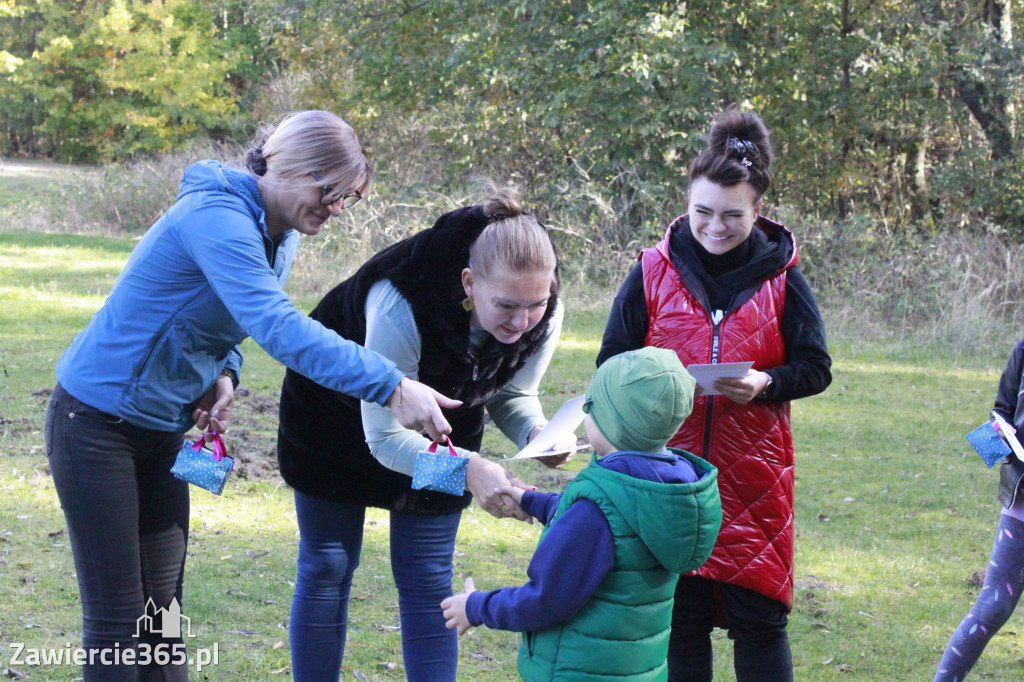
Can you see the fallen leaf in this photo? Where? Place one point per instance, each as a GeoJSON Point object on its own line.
{"type": "Point", "coordinates": [278, 645]}
{"type": "Point", "coordinates": [359, 675]}
{"type": "Point", "coordinates": [281, 671]}
{"type": "Point", "coordinates": [56, 533]}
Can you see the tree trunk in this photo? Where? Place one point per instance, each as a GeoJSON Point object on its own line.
{"type": "Point", "coordinates": [989, 104]}
{"type": "Point", "coordinates": [917, 180]}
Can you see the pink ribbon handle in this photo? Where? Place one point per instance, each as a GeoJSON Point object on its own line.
{"type": "Point", "coordinates": [451, 448]}
{"type": "Point", "coordinates": [216, 445]}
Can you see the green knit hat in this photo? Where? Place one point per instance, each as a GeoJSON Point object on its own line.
{"type": "Point", "coordinates": [639, 399]}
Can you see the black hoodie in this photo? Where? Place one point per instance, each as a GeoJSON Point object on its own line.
{"type": "Point", "coordinates": [722, 282]}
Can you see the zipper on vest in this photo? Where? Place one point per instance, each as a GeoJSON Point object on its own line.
{"type": "Point", "coordinates": [476, 363]}
{"type": "Point", "coordinates": [716, 327]}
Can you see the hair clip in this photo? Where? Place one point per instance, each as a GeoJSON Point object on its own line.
{"type": "Point", "coordinates": [742, 148]}
{"type": "Point", "coordinates": [745, 162]}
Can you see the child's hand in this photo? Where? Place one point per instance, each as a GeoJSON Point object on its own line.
{"type": "Point", "coordinates": [482, 476]}
{"type": "Point", "coordinates": [512, 491]}
{"type": "Point", "coordinates": [455, 609]}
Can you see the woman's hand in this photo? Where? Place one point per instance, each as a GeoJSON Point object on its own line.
{"type": "Point", "coordinates": [214, 409]}
{"type": "Point", "coordinates": [455, 609]}
{"type": "Point", "coordinates": [743, 389]}
{"type": "Point", "coordinates": [483, 477]}
{"type": "Point", "coordinates": [416, 406]}
{"type": "Point", "coordinates": [556, 461]}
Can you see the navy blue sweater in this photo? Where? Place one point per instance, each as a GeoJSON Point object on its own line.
{"type": "Point", "coordinates": [574, 558]}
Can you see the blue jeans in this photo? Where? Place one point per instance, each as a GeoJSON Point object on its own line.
{"type": "Point", "coordinates": [127, 520]}
{"type": "Point", "coordinates": [756, 623]}
{"type": "Point", "coordinates": [330, 540]}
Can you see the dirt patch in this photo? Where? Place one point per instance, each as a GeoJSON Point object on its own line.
{"type": "Point", "coordinates": [252, 441]}
{"type": "Point", "coordinates": [18, 426]}
{"type": "Point", "coordinates": [252, 438]}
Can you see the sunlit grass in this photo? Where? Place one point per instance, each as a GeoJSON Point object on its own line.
{"type": "Point", "coordinates": [894, 512]}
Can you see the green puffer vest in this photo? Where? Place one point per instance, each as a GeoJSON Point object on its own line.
{"type": "Point", "coordinates": [659, 530]}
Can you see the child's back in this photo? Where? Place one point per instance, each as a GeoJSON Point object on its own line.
{"type": "Point", "coordinates": [663, 522]}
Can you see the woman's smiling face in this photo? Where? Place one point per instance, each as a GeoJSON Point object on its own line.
{"type": "Point", "coordinates": [296, 205]}
{"type": "Point", "coordinates": [508, 305]}
{"type": "Point", "coordinates": [721, 217]}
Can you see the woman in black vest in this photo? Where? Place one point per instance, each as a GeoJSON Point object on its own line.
{"type": "Point", "coordinates": [468, 307]}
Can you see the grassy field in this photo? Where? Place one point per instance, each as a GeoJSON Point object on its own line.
{"type": "Point", "coordinates": [894, 515]}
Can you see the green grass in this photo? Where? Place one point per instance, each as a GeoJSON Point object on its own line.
{"type": "Point", "coordinates": [894, 514]}
{"type": "Point", "coordinates": [29, 182]}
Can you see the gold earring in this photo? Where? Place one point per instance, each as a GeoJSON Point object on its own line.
{"type": "Point", "coordinates": [467, 303]}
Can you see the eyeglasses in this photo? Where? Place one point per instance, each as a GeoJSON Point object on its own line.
{"type": "Point", "coordinates": [348, 199]}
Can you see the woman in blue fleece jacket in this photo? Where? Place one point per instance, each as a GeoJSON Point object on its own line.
{"type": "Point", "coordinates": [161, 356]}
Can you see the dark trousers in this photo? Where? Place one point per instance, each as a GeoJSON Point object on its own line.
{"type": "Point", "coordinates": [756, 624]}
{"type": "Point", "coordinates": [127, 520]}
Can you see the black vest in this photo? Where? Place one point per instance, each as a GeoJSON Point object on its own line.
{"type": "Point", "coordinates": [321, 447]}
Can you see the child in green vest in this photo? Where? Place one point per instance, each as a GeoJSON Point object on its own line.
{"type": "Point", "coordinates": [598, 603]}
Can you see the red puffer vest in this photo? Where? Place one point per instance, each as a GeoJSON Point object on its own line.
{"type": "Point", "coordinates": [751, 445]}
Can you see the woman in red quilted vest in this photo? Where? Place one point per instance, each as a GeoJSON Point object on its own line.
{"type": "Point", "coordinates": [723, 287]}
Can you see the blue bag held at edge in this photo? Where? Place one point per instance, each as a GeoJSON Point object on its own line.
{"type": "Point", "coordinates": [445, 473]}
{"type": "Point", "coordinates": [207, 468]}
{"type": "Point", "coordinates": [986, 441]}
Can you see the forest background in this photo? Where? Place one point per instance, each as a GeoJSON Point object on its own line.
{"type": "Point", "coordinates": [895, 122]}
{"type": "Point", "coordinates": [899, 169]}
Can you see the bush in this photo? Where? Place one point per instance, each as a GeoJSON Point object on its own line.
{"type": "Point", "coordinates": [954, 288]}
{"type": "Point", "coordinates": [128, 197]}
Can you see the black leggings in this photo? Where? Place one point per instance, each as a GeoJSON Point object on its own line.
{"type": "Point", "coordinates": [756, 624]}
{"type": "Point", "coordinates": [127, 522]}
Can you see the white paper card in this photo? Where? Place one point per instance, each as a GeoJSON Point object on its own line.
{"type": "Point", "coordinates": [707, 375]}
{"type": "Point", "coordinates": [1006, 431]}
{"type": "Point", "coordinates": [564, 423]}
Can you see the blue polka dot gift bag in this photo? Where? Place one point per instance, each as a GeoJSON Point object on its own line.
{"type": "Point", "coordinates": [444, 472]}
{"type": "Point", "coordinates": [206, 467]}
{"type": "Point", "coordinates": [986, 441]}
